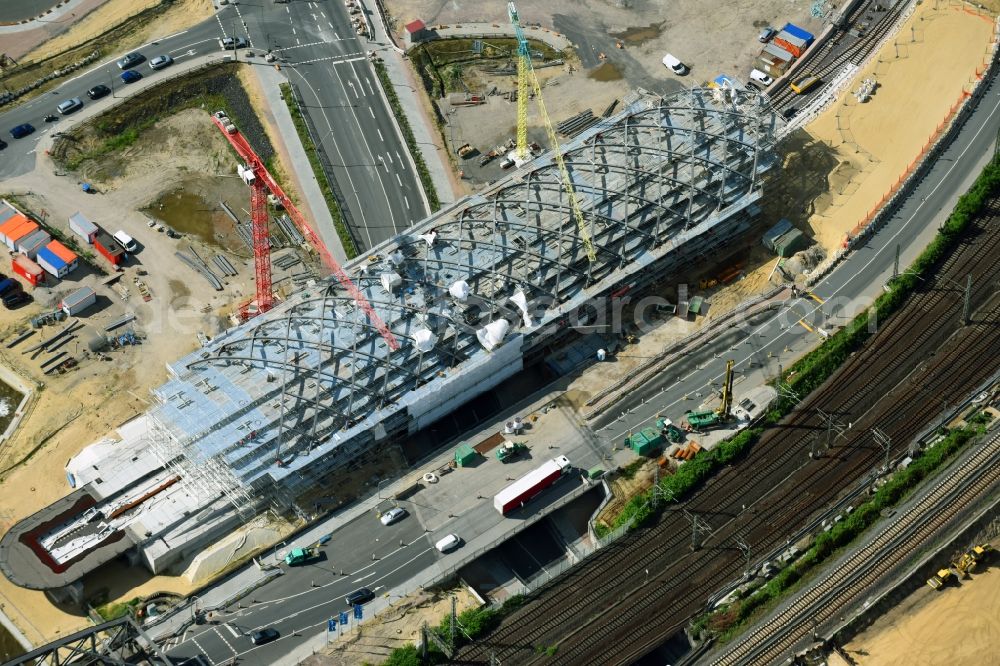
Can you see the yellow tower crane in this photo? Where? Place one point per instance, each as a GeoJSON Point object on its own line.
{"type": "Point", "coordinates": [526, 77]}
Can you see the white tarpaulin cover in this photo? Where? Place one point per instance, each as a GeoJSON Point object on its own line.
{"type": "Point", "coordinates": [491, 335]}
{"type": "Point", "coordinates": [521, 301]}
{"type": "Point", "coordinates": [424, 340]}
{"type": "Point", "coordinates": [429, 238]}
{"type": "Point", "coordinates": [396, 257]}
{"type": "Point", "coordinates": [459, 289]}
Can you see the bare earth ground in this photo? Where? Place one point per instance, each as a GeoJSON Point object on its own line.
{"type": "Point", "coordinates": [393, 628]}
{"type": "Point", "coordinates": [183, 14]}
{"type": "Point", "coordinates": [959, 625]}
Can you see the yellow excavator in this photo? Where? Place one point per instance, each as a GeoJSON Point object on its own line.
{"type": "Point", "coordinates": [713, 417]}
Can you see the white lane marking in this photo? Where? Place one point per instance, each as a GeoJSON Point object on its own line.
{"type": "Point", "coordinates": [406, 200]}
{"type": "Point", "coordinates": [191, 45]}
{"type": "Point", "coordinates": [318, 43]}
{"type": "Point", "coordinates": [371, 112]}
{"type": "Point", "coordinates": [313, 16]}
{"type": "Point", "coordinates": [398, 180]}
{"type": "Point", "coordinates": [287, 10]}
{"type": "Point", "coordinates": [335, 34]}
{"type": "Point", "coordinates": [369, 82]}
{"type": "Point", "coordinates": [204, 653]}
{"type": "Point", "coordinates": [389, 155]}
{"type": "Point", "coordinates": [380, 134]}
{"type": "Point", "coordinates": [401, 160]}
{"type": "Point", "coordinates": [225, 640]}
{"type": "Point", "coordinates": [330, 24]}
{"type": "Point", "coordinates": [384, 165]}
{"type": "Point", "coordinates": [235, 633]}
{"type": "Point", "coordinates": [293, 30]}
{"type": "Point", "coordinates": [353, 89]}
{"type": "Point", "coordinates": [329, 58]}
{"type": "Point", "coordinates": [366, 576]}
{"type": "Point", "coordinates": [298, 41]}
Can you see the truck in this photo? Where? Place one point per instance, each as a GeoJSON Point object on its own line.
{"type": "Point", "coordinates": [300, 556]}
{"type": "Point", "coordinates": [510, 450]}
{"type": "Point", "coordinates": [531, 484]}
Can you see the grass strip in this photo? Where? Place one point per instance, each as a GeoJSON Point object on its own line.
{"type": "Point", "coordinates": [350, 249]}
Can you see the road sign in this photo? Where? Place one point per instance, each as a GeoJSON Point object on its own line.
{"type": "Point", "coordinates": [477, 46]}
{"type": "Point", "coordinates": [343, 617]}
{"type": "Point", "coordinates": [331, 625]}
{"type": "Point", "coordinates": [358, 611]}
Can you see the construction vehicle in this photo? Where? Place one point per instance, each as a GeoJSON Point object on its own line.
{"type": "Point", "coordinates": [672, 432]}
{"type": "Point", "coordinates": [510, 450]}
{"type": "Point", "coordinates": [966, 564]}
{"type": "Point", "coordinates": [709, 418]}
{"type": "Point", "coordinates": [465, 151]}
{"type": "Point", "coordinates": [940, 579]}
{"type": "Point", "coordinates": [300, 556]}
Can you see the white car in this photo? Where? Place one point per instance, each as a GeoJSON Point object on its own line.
{"type": "Point", "coordinates": [450, 542]}
{"type": "Point", "coordinates": [159, 62]}
{"type": "Point", "coordinates": [392, 515]}
{"type": "Point", "coordinates": [760, 77]}
{"type": "Point", "coordinates": [675, 65]}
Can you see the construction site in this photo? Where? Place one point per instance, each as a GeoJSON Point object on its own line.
{"type": "Point", "coordinates": [610, 294]}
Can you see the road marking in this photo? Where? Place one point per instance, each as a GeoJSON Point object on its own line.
{"type": "Point", "coordinates": [369, 82]}
{"type": "Point", "coordinates": [224, 640]}
{"type": "Point", "coordinates": [806, 326]}
{"type": "Point", "coordinates": [203, 651]}
{"type": "Point", "coordinates": [191, 45]}
{"type": "Point", "coordinates": [293, 30]}
{"type": "Point", "coordinates": [371, 112]}
{"type": "Point", "coordinates": [374, 573]}
{"type": "Point", "coordinates": [228, 626]}
{"type": "Point", "coordinates": [389, 156]}
{"type": "Point", "coordinates": [406, 200]}
{"type": "Point", "coordinates": [401, 160]}
{"type": "Point", "coordinates": [330, 24]}
{"type": "Point", "coordinates": [335, 34]}
{"type": "Point", "coordinates": [380, 134]}
{"type": "Point", "coordinates": [313, 17]}
{"type": "Point", "coordinates": [353, 90]}
{"type": "Point", "coordinates": [298, 41]}
{"type": "Point", "coordinates": [287, 10]}
{"type": "Point", "coordinates": [815, 297]}
{"type": "Point", "coordinates": [398, 180]}
{"type": "Point", "coordinates": [329, 58]}
{"type": "Point", "coordinates": [384, 165]}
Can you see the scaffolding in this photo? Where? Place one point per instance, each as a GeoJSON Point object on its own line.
{"type": "Point", "coordinates": [311, 384]}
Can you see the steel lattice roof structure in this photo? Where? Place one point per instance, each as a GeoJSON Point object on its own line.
{"type": "Point", "coordinates": [464, 291]}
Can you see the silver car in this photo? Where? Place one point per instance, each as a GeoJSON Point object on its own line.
{"type": "Point", "coordinates": [159, 62]}
{"type": "Point", "coordinates": [392, 515]}
{"type": "Point", "coordinates": [70, 105]}
{"type": "Point", "coordinates": [131, 60]}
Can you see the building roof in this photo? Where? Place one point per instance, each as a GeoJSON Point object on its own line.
{"type": "Point", "coordinates": [62, 252]}
{"type": "Point", "coordinates": [415, 26]}
{"type": "Point", "coordinates": [49, 257]}
{"type": "Point", "coordinates": [18, 228]}
{"type": "Point", "coordinates": [81, 221]}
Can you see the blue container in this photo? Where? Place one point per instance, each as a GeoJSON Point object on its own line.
{"type": "Point", "coordinates": [796, 31]}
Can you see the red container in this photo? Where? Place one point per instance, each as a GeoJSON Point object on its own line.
{"type": "Point", "coordinates": [27, 269]}
{"type": "Point", "coordinates": [529, 485]}
{"type": "Point", "coordinates": [108, 249]}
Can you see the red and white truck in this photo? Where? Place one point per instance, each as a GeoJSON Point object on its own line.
{"type": "Point", "coordinates": [516, 494]}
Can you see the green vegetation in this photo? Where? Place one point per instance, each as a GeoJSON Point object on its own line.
{"type": "Point", "coordinates": [473, 623]}
{"type": "Point", "coordinates": [113, 611]}
{"type": "Point", "coordinates": [442, 63]}
{"type": "Point", "coordinates": [630, 470]}
{"type": "Point", "coordinates": [411, 142]}
{"type": "Point", "coordinates": [350, 249]}
{"type": "Point", "coordinates": [727, 622]}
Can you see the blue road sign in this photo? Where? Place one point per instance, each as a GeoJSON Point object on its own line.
{"type": "Point", "coordinates": [331, 625]}
{"type": "Point", "coordinates": [343, 617]}
{"type": "Point", "coordinates": [358, 611]}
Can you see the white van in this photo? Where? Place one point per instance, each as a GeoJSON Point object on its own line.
{"type": "Point", "coordinates": [127, 242]}
{"type": "Point", "coordinates": [675, 65]}
{"type": "Point", "coordinates": [760, 77]}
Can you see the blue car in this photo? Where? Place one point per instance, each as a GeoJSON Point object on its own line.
{"type": "Point", "coordinates": [22, 131]}
{"type": "Point", "coordinates": [131, 76]}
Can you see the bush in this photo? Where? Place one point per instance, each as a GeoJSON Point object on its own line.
{"type": "Point", "coordinates": [404, 656]}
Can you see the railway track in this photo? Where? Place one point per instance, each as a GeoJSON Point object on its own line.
{"type": "Point", "coordinates": [613, 585]}
{"type": "Point", "coordinates": [897, 541]}
{"type": "Point", "coordinates": [819, 61]}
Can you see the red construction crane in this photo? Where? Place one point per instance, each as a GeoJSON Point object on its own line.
{"type": "Point", "coordinates": [256, 175]}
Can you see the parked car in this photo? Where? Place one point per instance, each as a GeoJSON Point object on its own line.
{"type": "Point", "coordinates": [16, 299]}
{"type": "Point", "coordinates": [70, 105]}
{"type": "Point", "coordinates": [393, 515]}
{"type": "Point", "coordinates": [760, 77]}
{"type": "Point", "coordinates": [159, 62]}
{"type": "Point", "coordinates": [98, 91]}
{"type": "Point", "coordinates": [22, 130]}
{"type": "Point", "coordinates": [675, 65]}
{"type": "Point", "coordinates": [131, 60]}
{"type": "Point", "coordinates": [230, 43]}
{"type": "Point", "coordinates": [3, 144]}
{"type": "Point", "coordinates": [450, 542]}
{"type": "Point", "coordinates": [766, 34]}
{"type": "Point", "coordinates": [264, 636]}
{"type": "Point", "coordinates": [131, 76]}
{"type": "Point", "coordinates": [362, 596]}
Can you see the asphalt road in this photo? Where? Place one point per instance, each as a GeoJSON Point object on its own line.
{"type": "Point", "coordinates": [363, 150]}
{"type": "Point", "coordinates": [299, 603]}
{"type": "Point", "coordinates": [324, 58]}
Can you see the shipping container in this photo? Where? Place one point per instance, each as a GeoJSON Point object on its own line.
{"type": "Point", "coordinates": [28, 269]}
{"type": "Point", "coordinates": [465, 455]}
{"type": "Point", "coordinates": [791, 43]}
{"type": "Point", "coordinates": [800, 33]}
{"type": "Point", "coordinates": [518, 493]}
{"type": "Point", "coordinates": [16, 229]}
{"type": "Point", "coordinates": [67, 255]}
{"type": "Point", "coordinates": [108, 248]}
{"type": "Point", "coordinates": [52, 264]}
{"type": "Point", "coordinates": [790, 242]}
{"type": "Point", "coordinates": [7, 211]}
{"type": "Point", "coordinates": [78, 301]}
{"type": "Point", "coordinates": [83, 227]}
{"type": "Point", "coordinates": [776, 53]}
{"type": "Point", "coordinates": [33, 242]}
{"type": "Point", "coordinates": [772, 234]}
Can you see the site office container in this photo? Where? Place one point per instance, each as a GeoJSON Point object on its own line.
{"type": "Point", "coordinates": [791, 43]}
{"type": "Point", "coordinates": [519, 492]}
{"type": "Point", "coordinates": [78, 301]}
{"type": "Point", "coordinates": [108, 248]}
{"type": "Point", "coordinates": [83, 227]}
{"type": "Point", "coordinates": [16, 229]}
{"type": "Point", "coordinates": [28, 269]}
{"type": "Point", "coordinates": [67, 256]}
{"type": "Point", "coordinates": [799, 33]}
{"type": "Point", "coordinates": [33, 242]}
{"type": "Point", "coordinates": [50, 263]}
